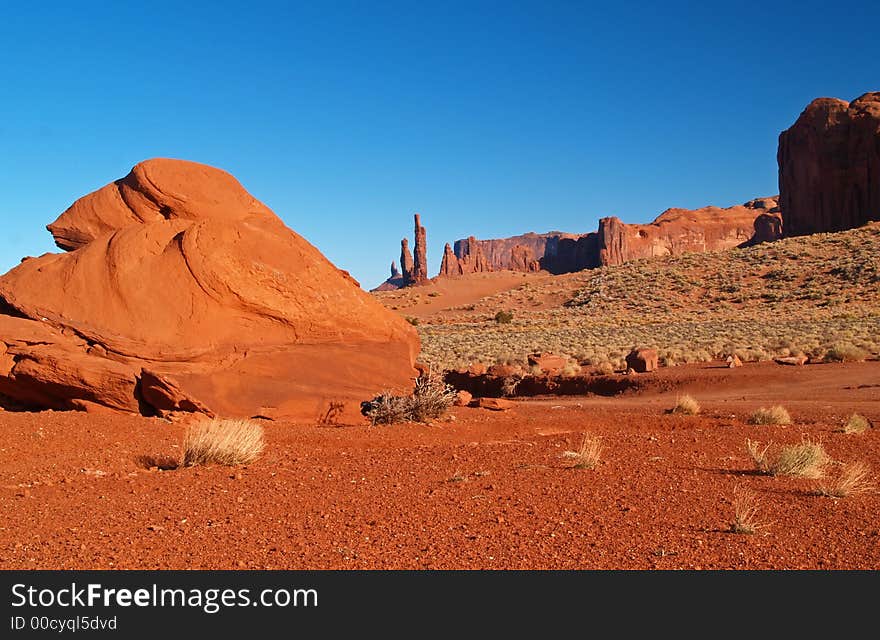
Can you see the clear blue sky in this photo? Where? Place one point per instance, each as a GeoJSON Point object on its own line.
{"type": "Point", "coordinates": [489, 119]}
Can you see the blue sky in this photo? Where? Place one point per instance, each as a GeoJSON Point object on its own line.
{"type": "Point", "coordinates": [490, 119]}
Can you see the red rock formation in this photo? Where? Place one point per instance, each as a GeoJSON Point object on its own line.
{"type": "Point", "coordinates": [471, 258]}
{"type": "Point", "coordinates": [522, 258]}
{"type": "Point", "coordinates": [393, 283]}
{"type": "Point", "coordinates": [406, 262]}
{"type": "Point", "coordinates": [674, 232]}
{"type": "Point", "coordinates": [185, 293]}
{"type": "Point", "coordinates": [420, 250]}
{"type": "Point", "coordinates": [678, 231]}
{"type": "Point", "coordinates": [450, 266]}
{"type": "Point", "coordinates": [768, 227]}
{"type": "Point", "coordinates": [829, 166]}
{"type": "Point", "coordinates": [642, 360]}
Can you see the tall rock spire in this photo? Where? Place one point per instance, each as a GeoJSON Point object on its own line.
{"type": "Point", "coordinates": [406, 262]}
{"type": "Point", "coordinates": [420, 259]}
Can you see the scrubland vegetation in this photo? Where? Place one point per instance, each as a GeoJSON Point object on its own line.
{"type": "Point", "coordinates": [817, 295]}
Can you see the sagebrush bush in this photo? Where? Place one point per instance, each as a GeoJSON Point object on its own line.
{"type": "Point", "coordinates": [222, 441]}
{"type": "Point", "coordinates": [773, 415]}
{"type": "Point", "coordinates": [431, 398]}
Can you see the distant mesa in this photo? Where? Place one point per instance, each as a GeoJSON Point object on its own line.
{"type": "Point", "coordinates": [674, 232]}
{"type": "Point", "coordinates": [180, 291]}
{"type": "Point", "coordinates": [829, 180]}
{"type": "Point", "coordinates": [829, 166]}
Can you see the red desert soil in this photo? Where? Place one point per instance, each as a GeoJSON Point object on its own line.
{"type": "Point", "coordinates": [485, 490]}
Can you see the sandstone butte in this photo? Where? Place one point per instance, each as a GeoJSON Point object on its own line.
{"type": "Point", "coordinates": [829, 166]}
{"type": "Point", "coordinates": [179, 291]}
{"type": "Point", "coordinates": [674, 232]}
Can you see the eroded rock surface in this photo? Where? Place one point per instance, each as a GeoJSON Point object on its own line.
{"type": "Point", "coordinates": [182, 292]}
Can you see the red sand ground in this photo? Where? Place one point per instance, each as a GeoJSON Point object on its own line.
{"type": "Point", "coordinates": [485, 490]}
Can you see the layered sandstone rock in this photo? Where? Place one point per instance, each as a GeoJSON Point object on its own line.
{"type": "Point", "coordinates": [678, 231]}
{"type": "Point", "coordinates": [674, 232]}
{"type": "Point", "coordinates": [829, 166]}
{"type": "Point", "coordinates": [468, 257]}
{"type": "Point", "coordinates": [182, 292]}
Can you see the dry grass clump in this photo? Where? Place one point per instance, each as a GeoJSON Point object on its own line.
{"type": "Point", "coordinates": [431, 398]}
{"type": "Point", "coordinates": [807, 459]}
{"type": "Point", "coordinates": [853, 478]}
{"type": "Point", "coordinates": [745, 512]}
{"type": "Point", "coordinates": [845, 353]}
{"type": "Point", "coordinates": [605, 368]}
{"type": "Point", "coordinates": [758, 455]}
{"type": "Point", "coordinates": [587, 457]}
{"type": "Point", "coordinates": [222, 441]}
{"type": "Point", "coordinates": [856, 424]}
{"type": "Point", "coordinates": [773, 415]}
{"type": "Point", "coordinates": [686, 405]}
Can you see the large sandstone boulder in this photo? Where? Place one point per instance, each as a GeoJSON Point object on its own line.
{"type": "Point", "coordinates": [829, 166]}
{"type": "Point", "coordinates": [642, 360]}
{"type": "Point", "coordinates": [182, 292]}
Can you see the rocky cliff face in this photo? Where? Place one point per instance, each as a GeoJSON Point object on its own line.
{"type": "Point", "coordinates": [829, 166]}
{"type": "Point", "coordinates": [678, 231]}
{"type": "Point", "coordinates": [675, 231]}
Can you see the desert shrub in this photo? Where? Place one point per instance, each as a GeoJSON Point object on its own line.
{"type": "Point", "coordinates": [845, 353]}
{"type": "Point", "coordinates": [571, 369]}
{"type": "Point", "coordinates": [806, 459]}
{"type": "Point", "coordinates": [856, 424]}
{"type": "Point", "coordinates": [745, 512]}
{"type": "Point", "coordinates": [605, 368]}
{"type": "Point", "coordinates": [504, 317]}
{"type": "Point", "coordinates": [387, 408]}
{"type": "Point", "coordinates": [687, 406]}
{"type": "Point", "coordinates": [589, 453]}
{"type": "Point", "coordinates": [510, 384]}
{"type": "Point", "coordinates": [773, 415]}
{"type": "Point", "coordinates": [431, 398]}
{"type": "Point", "coordinates": [228, 442]}
{"type": "Point", "coordinates": [853, 478]}
{"type": "Point", "coordinates": [413, 321]}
